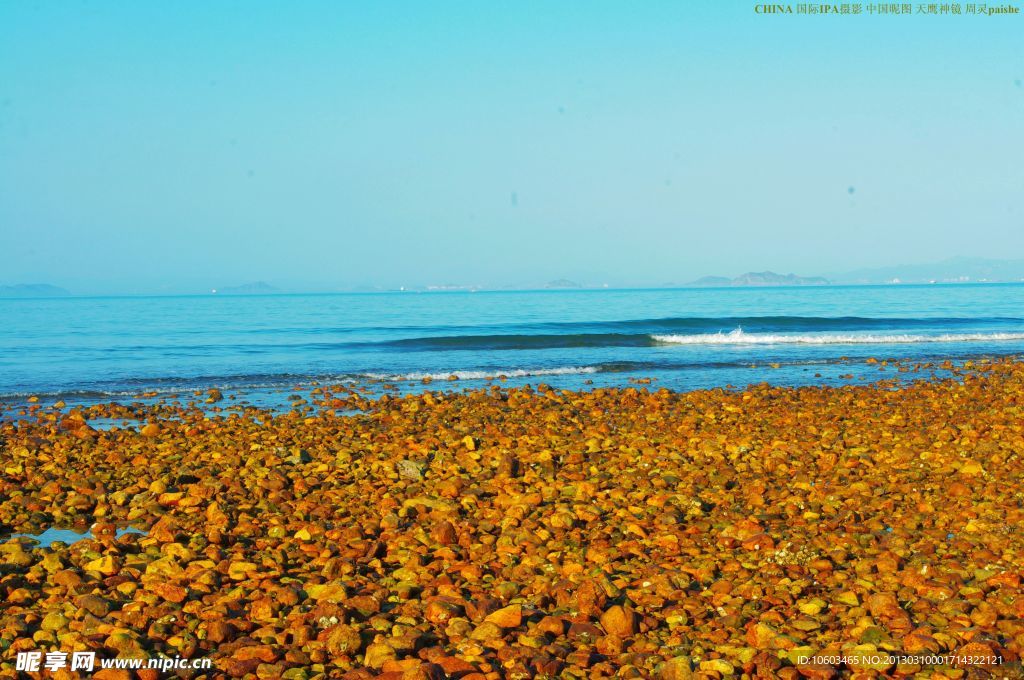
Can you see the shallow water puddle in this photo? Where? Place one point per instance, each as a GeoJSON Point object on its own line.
{"type": "Point", "coordinates": [69, 536]}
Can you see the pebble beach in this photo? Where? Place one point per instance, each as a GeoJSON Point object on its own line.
{"type": "Point", "coordinates": [519, 532]}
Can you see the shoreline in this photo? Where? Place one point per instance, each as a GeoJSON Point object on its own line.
{"type": "Point", "coordinates": [239, 393]}
{"type": "Point", "coordinates": [510, 532]}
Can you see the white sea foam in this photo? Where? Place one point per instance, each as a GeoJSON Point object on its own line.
{"type": "Point", "coordinates": [481, 375]}
{"type": "Point", "coordinates": [739, 337]}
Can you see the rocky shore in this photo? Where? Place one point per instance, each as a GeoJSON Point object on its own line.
{"type": "Point", "coordinates": [518, 533]}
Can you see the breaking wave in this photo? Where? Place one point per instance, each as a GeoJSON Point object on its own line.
{"type": "Point", "coordinates": [739, 337]}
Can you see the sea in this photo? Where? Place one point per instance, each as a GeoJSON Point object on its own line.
{"type": "Point", "coordinates": [262, 347]}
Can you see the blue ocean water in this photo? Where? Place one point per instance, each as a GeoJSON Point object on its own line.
{"type": "Point", "coordinates": [88, 348]}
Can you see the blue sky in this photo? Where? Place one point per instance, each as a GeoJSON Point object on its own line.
{"type": "Point", "coordinates": [150, 147]}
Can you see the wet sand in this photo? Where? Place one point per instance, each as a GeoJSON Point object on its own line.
{"type": "Point", "coordinates": [531, 532]}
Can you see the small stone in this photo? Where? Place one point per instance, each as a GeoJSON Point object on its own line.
{"type": "Point", "coordinates": [812, 607]}
{"type": "Point", "coordinates": [299, 457]}
{"type": "Point", "coordinates": [66, 578]}
{"type": "Point", "coordinates": [761, 635]}
{"type": "Point", "coordinates": [609, 645]}
{"type": "Point", "coordinates": [848, 598]}
{"type": "Point", "coordinates": [506, 617]}
{"type": "Point", "coordinates": [618, 620]}
{"type": "Point", "coordinates": [580, 658]}
{"type": "Point", "coordinates": [439, 611]}
{"type": "Point", "coordinates": [590, 598]}
{"type": "Point", "coordinates": [971, 469]}
{"type": "Point", "coordinates": [364, 604]}
{"type": "Point", "coordinates": [326, 592]}
{"type": "Point", "coordinates": [553, 625]}
{"type": "Point", "coordinates": [676, 668]}
{"type": "Point", "coordinates": [717, 665]}
{"type": "Point", "coordinates": [239, 571]}
{"type": "Point", "coordinates": [486, 631]}
{"type": "Point", "coordinates": [264, 653]}
{"type": "Point", "coordinates": [266, 671]}
{"type": "Point", "coordinates": [106, 565]}
{"type": "Point", "coordinates": [170, 592]}
{"type": "Point", "coordinates": [424, 671]}
{"type": "Point", "coordinates": [95, 605]}
{"type": "Point", "coordinates": [445, 533]}
{"type": "Point", "coordinates": [411, 469]}
{"type": "Point", "coordinates": [219, 631]}
{"type": "Point", "coordinates": [124, 642]}
{"type": "Point", "coordinates": [378, 654]}
{"type": "Point", "coordinates": [343, 640]}
{"type": "Point", "coordinates": [54, 621]}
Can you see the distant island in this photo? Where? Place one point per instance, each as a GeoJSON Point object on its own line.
{"type": "Point", "coordinates": [255, 288]}
{"type": "Point", "coordinates": [955, 270]}
{"type": "Point", "coordinates": [33, 290]}
{"type": "Point", "coordinates": [562, 283]}
{"type": "Point", "coordinates": [759, 279]}
{"type": "Point", "coordinates": [952, 270]}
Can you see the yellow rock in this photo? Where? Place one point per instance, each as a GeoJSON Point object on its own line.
{"type": "Point", "coordinates": [761, 636]}
{"type": "Point", "coordinates": [812, 607]}
{"type": "Point", "coordinates": [486, 631]}
{"type": "Point", "coordinates": [848, 598]}
{"type": "Point", "coordinates": [164, 568]}
{"type": "Point", "coordinates": [54, 621]}
{"type": "Point", "coordinates": [106, 565]}
{"type": "Point", "coordinates": [678, 668]}
{"type": "Point", "coordinates": [717, 665]}
{"type": "Point", "coordinates": [506, 617]}
{"type": "Point", "coordinates": [326, 592]}
{"type": "Point", "coordinates": [239, 571]}
{"type": "Point", "coordinates": [378, 654]}
{"type": "Point", "coordinates": [972, 468]}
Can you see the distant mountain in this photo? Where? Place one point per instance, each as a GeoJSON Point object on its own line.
{"type": "Point", "coordinates": [953, 270]}
{"type": "Point", "coordinates": [33, 290]}
{"type": "Point", "coordinates": [255, 288]}
{"type": "Point", "coordinates": [562, 283]}
{"type": "Point", "coordinates": [712, 281]}
{"type": "Point", "coordinates": [760, 279]}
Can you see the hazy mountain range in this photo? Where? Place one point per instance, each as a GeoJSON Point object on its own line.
{"type": "Point", "coordinates": [760, 279]}
{"type": "Point", "coordinates": [33, 290]}
{"type": "Point", "coordinates": [953, 270]}
{"type": "Point", "coordinates": [255, 288]}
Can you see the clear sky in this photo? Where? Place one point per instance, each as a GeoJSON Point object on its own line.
{"type": "Point", "coordinates": [176, 146]}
